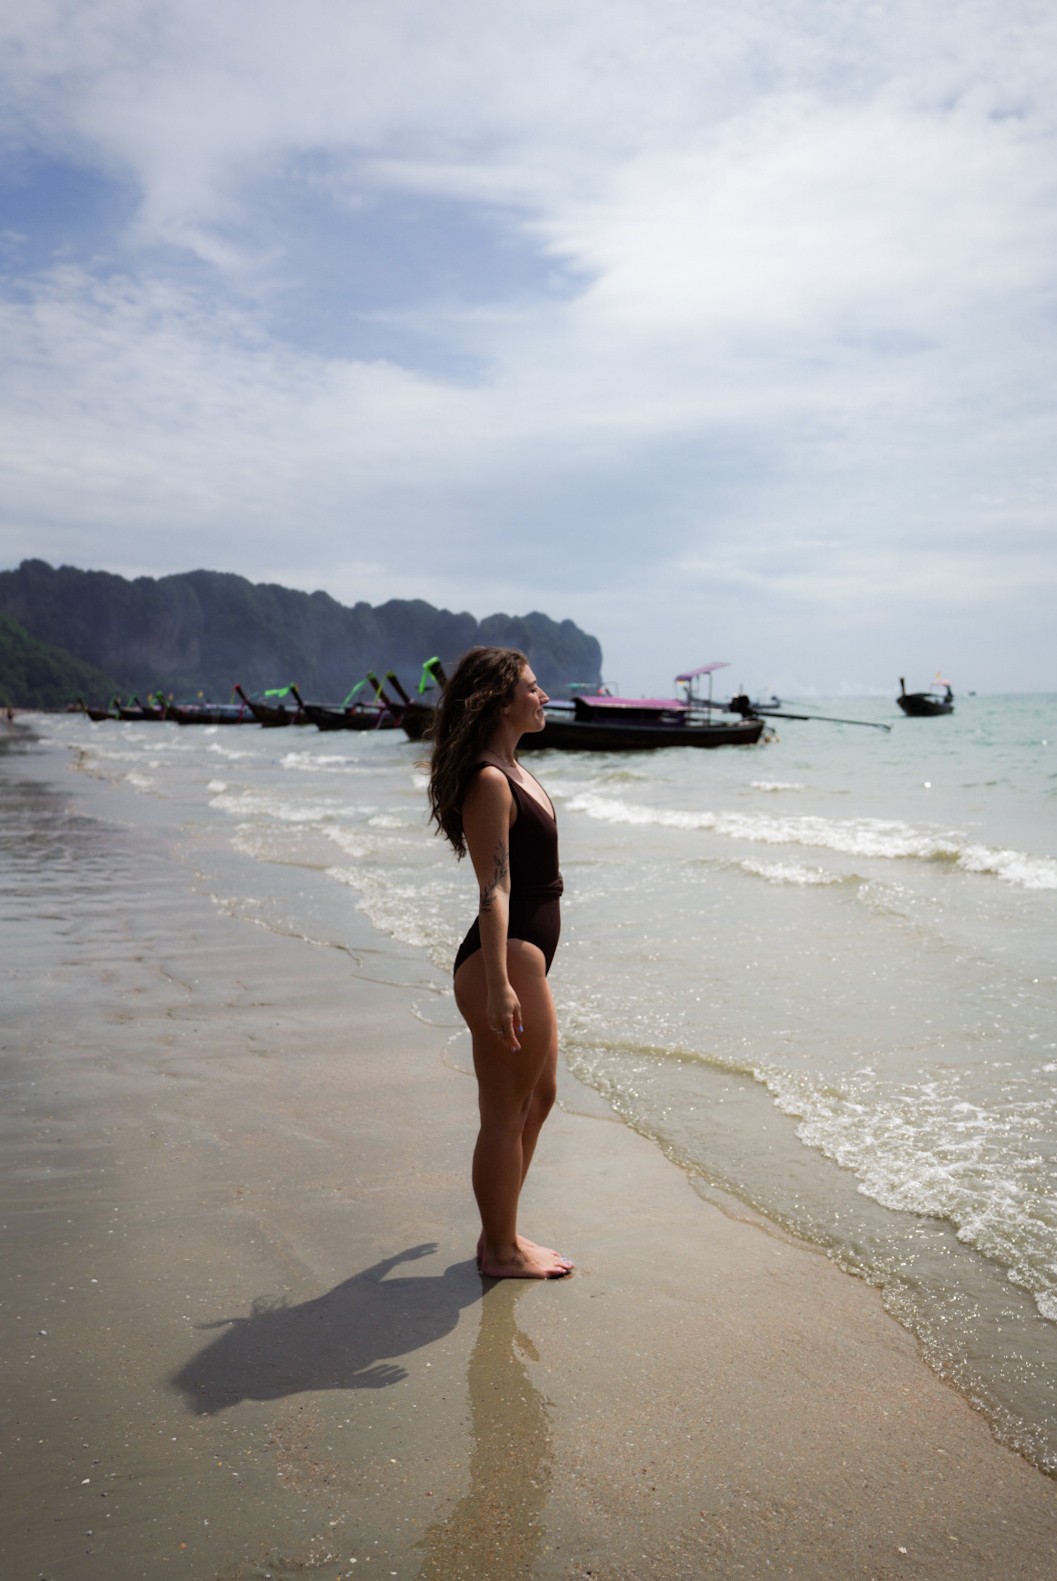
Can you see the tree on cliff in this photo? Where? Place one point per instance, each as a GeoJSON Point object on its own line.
{"type": "Point", "coordinates": [36, 675]}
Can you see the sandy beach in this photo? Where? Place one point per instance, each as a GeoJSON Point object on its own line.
{"type": "Point", "coordinates": [244, 1336]}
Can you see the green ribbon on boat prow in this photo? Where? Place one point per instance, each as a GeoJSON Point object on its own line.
{"type": "Point", "coordinates": [429, 675]}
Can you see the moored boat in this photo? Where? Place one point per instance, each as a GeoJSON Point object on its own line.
{"type": "Point", "coordinates": [925, 705]}
{"type": "Point", "coordinates": [206, 713]}
{"type": "Point", "coordinates": [347, 715]}
{"type": "Point", "coordinates": [97, 715]}
{"type": "Point", "coordinates": [135, 710]}
{"type": "Point", "coordinates": [273, 715]}
{"type": "Point", "coordinates": [602, 723]}
{"type": "Point", "coordinates": [628, 730]}
{"type": "Point", "coordinates": [416, 715]}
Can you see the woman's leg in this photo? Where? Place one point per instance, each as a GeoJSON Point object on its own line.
{"type": "Point", "coordinates": [515, 1094]}
{"type": "Point", "coordinates": [544, 1093]}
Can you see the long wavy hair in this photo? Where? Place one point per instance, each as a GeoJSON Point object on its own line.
{"type": "Point", "coordinates": [484, 681]}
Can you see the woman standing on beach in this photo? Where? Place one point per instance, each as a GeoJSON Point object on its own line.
{"type": "Point", "coordinates": [484, 802]}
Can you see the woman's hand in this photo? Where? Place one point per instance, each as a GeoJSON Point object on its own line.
{"type": "Point", "coordinates": [504, 1016]}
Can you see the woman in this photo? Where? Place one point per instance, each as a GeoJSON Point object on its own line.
{"type": "Point", "coordinates": [484, 802]}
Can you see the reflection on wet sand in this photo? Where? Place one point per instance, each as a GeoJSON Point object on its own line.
{"type": "Point", "coordinates": [497, 1528]}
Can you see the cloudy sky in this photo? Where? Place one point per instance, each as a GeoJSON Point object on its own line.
{"type": "Point", "coordinates": [725, 328]}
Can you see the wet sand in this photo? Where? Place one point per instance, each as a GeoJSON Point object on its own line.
{"type": "Point", "coordinates": [244, 1336]}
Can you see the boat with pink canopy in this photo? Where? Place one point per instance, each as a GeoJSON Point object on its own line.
{"type": "Point", "coordinates": [603, 723]}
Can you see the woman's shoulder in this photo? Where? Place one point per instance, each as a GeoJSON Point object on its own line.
{"type": "Point", "coordinates": [487, 774]}
{"type": "Point", "coordinates": [486, 782]}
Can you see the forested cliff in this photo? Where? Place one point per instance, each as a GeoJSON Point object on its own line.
{"type": "Point", "coordinates": [201, 631]}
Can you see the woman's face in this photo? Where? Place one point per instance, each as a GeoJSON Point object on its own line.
{"type": "Point", "coordinates": [525, 709]}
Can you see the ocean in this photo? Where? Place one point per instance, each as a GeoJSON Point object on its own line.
{"type": "Point", "coordinates": [818, 973]}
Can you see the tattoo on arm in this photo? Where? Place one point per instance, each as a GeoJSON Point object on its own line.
{"type": "Point", "coordinates": [500, 868]}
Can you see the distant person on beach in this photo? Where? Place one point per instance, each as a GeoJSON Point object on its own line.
{"type": "Point", "coordinates": [484, 802]}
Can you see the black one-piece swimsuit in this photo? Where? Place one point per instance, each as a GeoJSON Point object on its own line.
{"type": "Point", "coordinates": [535, 882]}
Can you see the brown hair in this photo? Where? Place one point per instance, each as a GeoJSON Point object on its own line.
{"type": "Point", "coordinates": [484, 683]}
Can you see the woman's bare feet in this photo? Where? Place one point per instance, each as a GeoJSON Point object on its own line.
{"type": "Point", "coordinates": [525, 1265]}
{"type": "Point", "coordinates": [528, 1261]}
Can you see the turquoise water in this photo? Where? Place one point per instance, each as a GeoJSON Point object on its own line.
{"type": "Point", "coordinates": [820, 972]}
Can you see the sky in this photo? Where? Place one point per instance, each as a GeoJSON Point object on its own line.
{"type": "Point", "coordinates": [726, 329]}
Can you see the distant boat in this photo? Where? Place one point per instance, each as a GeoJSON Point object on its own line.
{"type": "Point", "coordinates": [205, 713]}
{"type": "Point", "coordinates": [136, 710]}
{"type": "Point", "coordinates": [346, 715]}
{"type": "Point", "coordinates": [416, 716]}
{"type": "Point", "coordinates": [97, 715]}
{"type": "Point", "coordinates": [273, 715]}
{"type": "Point", "coordinates": [923, 705]}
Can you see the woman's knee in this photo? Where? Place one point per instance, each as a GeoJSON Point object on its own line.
{"type": "Point", "coordinates": [504, 1111]}
{"type": "Point", "coordinates": [545, 1093]}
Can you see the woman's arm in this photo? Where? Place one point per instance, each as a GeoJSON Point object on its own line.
{"type": "Point", "coordinates": [487, 813]}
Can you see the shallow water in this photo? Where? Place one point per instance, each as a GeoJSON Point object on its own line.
{"type": "Point", "coordinates": [818, 972]}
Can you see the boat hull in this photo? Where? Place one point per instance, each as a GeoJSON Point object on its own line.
{"type": "Point", "coordinates": [581, 735]}
{"type": "Point", "coordinates": [325, 718]}
{"type": "Point", "coordinates": [917, 706]}
{"type": "Point", "coordinates": [273, 716]}
{"type": "Point", "coordinates": [416, 720]}
{"type": "Point", "coordinates": [204, 714]}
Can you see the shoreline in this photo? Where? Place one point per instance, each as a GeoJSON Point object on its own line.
{"type": "Point", "coordinates": [225, 1155]}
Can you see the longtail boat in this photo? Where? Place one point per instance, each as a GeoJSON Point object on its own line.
{"type": "Point", "coordinates": [645, 734]}
{"type": "Point", "coordinates": [207, 713]}
{"type": "Point", "coordinates": [393, 711]}
{"type": "Point", "coordinates": [135, 710]}
{"type": "Point", "coordinates": [348, 715]}
{"type": "Point", "coordinates": [416, 716]}
{"type": "Point", "coordinates": [97, 715]}
{"type": "Point", "coordinates": [273, 715]}
{"type": "Point", "coordinates": [637, 724]}
{"type": "Point", "coordinates": [925, 705]}
{"type": "Point", "coordinates": [602, 723]}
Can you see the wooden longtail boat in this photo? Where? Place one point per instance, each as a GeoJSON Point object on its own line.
{"type": "Point", "coordinates": [416, 716]}
{"type": "Point", "coordinates": [211, 714]}
{"type": "Point", "coordinates": [642, 735]}
{"type": "Point", "coordinates": [271, 715]}
{"type": "Point", "coordinates": [346, 716]}
{"type": "Point", "coordinates": [136, 710]}
{"type": "Point", "coordinates": [601, 723]}
{"type": "Point", "coordinates": [645, 724]}
{"type": "Point", "coordinates": [925, 705]}
{"type": "Point", "coordinates": [626, 724]}
{"type": "Point", "coordinates": [393, 711]}
{"type": "Point", "coordinates": [97, 715]}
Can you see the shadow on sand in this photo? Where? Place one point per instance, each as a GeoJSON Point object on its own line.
{"type": "Point", "coordinates": [345, 1339]}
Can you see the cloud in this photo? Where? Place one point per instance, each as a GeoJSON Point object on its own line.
{"type": "Point", "coordinates": [552, 306]}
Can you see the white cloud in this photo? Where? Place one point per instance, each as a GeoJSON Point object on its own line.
{"type": "Point", "coordinates": [783, 305]}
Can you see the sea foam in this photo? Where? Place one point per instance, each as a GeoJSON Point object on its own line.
{"type": "Point", "coordinates": [889, 839]}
